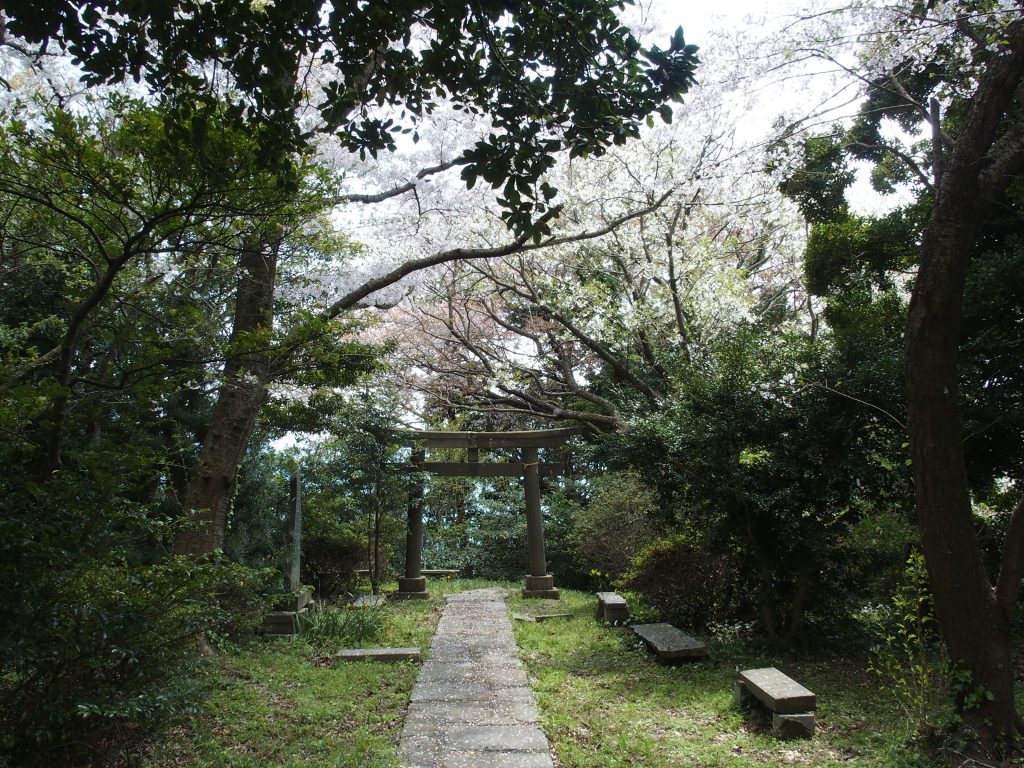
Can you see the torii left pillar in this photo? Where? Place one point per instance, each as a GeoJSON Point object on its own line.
{"type": "Point", "coordinates": [414, 583]}
{"type": "Point", "coordinates": [539, 583]}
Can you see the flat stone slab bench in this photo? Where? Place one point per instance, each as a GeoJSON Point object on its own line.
{"type": "Point", "coordinates": [611, 606]}
{"type": "Point", "coordinates": [378, 654]}
{"type": "Point", "coordinates": [669, 642]}
{"type": "Point", "coordinates": [792, 706]}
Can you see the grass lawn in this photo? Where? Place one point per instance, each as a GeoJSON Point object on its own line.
{"type": "Point", "coordinates": [281, 704]}
{"type": "Point", "coordinates": [605, 702]}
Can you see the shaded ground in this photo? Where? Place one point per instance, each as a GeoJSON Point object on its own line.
{"type": "Point", "coordinates": [603, 702]}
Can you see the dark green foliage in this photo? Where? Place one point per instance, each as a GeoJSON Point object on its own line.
{"type": "Point", "coordinates": [477, 526]}
{"type": "Point", "coordinates": [767, 464]}
{"type": "Point", "coordinates": [819, 185]}
{"type": "Point", "coordinates": [615, 525]}
{"type": "Point", "coordinates": [688, 586]}
{"type": "Point", "coordinates": [95, 638]}
{"type": "Point", "coordinates": [331, 552]}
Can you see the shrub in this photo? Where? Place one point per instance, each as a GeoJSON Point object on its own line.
{"type": "Point", "coordinates": [330, 556]}
{"type": "Point", "coordinates": [113, 647]}
{"type": "Point", "coordinates": [685, 585]}
{"type": "Point", "coordinates": [908, 657]}
{"type": "Point", "coordinates": [617, 524]}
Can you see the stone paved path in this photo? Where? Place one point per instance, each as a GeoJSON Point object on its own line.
{"type": "Point", "coordinates": [471, 707]}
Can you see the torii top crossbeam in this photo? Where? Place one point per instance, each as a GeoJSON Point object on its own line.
{"type": "Point", "coordinates": [537, 438]}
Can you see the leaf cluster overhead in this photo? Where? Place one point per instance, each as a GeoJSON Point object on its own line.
{"type": "Point", "coordinates": [549, 75]}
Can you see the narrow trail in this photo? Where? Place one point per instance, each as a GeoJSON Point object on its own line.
{"type": "Point", "coordinates": [471, 706]}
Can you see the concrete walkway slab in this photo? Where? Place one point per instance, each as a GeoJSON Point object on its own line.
{"type": "Point", "coordinates": [471, 707]}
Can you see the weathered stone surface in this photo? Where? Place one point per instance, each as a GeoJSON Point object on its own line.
{"type": "Point", "coordinates": [496, 738]}
{"type": "Point", "coordinates": [793, 726]}
{"type": "Point", "coordinates": [777, 691]}
{"type": "Point", "coordinates": [669, 642]}
{"type": "Point", "coordinates": [442, 572]}
{"type": "Point", "coordinates": [368, 601]}
{"type": "Point", "coordinates": [378, 654]}
{"type": "Point", "coordinates": [282, 623]}
{"type": "Point", "coordinates": [498, 760]}
{"type": "Point", "coordinates": [471, 707]}
{"type": "Point", "coordinates": [547, 616]}
{"type": "Point", "coordinates": [524, 617]}
{"type": "Point", "coordinates": [540, 582]}
{"type": "Point", "coordinates": [415, 584]}
{"type": "Point", "coordinates": [611, 606]}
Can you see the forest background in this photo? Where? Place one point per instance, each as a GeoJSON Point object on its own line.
{"type": "Point", "coordinates": [280, 244]}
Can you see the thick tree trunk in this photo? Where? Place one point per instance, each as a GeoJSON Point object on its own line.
{"type": "Point", "coordinates": [241, 395]}
{"type": "Point", "coordinates": [974, 625]}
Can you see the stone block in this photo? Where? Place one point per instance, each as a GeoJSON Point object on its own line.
{"type": "Point", "coordinates": [378, 654]}
{"type": "Point", "coordinates": [798, 725]}
{"type": "Point", "coordinates": [669, 642]}
{"type": "Point", "coordinates": [542, 594]}
{"type": "Point", "coordinates": [368, 601]}
{"type": "Point", "coordinates": [777, 691]}
{"type": "Point", "coordinates": [415, 584]}
{"type": "Point", "coordinates": [536, 583]}
{"type": "Point", "coordinates": [611, 607]}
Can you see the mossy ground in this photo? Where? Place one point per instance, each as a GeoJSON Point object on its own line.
{"type": "Point", "coordinates": [604, 702]}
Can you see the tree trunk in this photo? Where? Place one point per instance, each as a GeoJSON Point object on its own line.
{"type": "Point", "coordinates": [975, 628]}
{"type": "Point", "coordinates": [242, 393]}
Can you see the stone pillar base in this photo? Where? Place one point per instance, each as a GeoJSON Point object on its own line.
{"type": "Point", "coordinates": [415, 587]}
{"type": "Point", "coordinates": [540, 582]}
{"type": "Point", "coordinates": [543, 594]}
{"type": "Point", "coordinates": [541, 586]}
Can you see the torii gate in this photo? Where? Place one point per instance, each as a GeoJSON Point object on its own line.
{"type": "Point", "coordinates": [539, 583]}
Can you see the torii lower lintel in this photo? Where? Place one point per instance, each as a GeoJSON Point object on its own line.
{"type": "Point", "coordinates": [539, 583]}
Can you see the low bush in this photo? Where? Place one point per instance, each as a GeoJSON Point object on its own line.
{"type": "Point", "coordinates": [329, 559]}
{"type": "Point", "coordinates": [687, 586]}
{"type": "Point", "coordinates": [615, 526]}
{"type": "Point", "coordinates": [331, 627]}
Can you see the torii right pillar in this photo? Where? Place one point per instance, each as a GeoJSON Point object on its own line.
{"type": "Point", "coordinates": [539, 583]}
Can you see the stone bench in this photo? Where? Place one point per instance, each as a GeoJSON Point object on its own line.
{"type": "Point", "coordinates": [378, 654]}
{"type": "Point", "coordinates": [792, 706]}
{"type": "Point", "coordinates": [611, 607]}
{"type": "Point", "coordinates": [669, 642]}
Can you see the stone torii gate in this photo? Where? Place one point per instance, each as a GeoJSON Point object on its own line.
{"type": "Point", "coordinates": [539, 583]}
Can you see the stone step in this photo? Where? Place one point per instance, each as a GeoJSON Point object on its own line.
{"type": "Point", "coordinates": [535, 617]}
{"type": "Point", "coordinates": [669, 642]}
{"type": "Point", "coordinates": [378, 654]}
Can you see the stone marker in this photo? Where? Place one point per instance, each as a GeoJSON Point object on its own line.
{"type": "Point", "coordinates": [368, 601]}
{"type": "Point", "coordinates": [293, 608]}
{"type": "Point", "coordinates": [612, 607]}
{"type": "Point", "coordinates": [378, 654]}
{"type": "Point", "coordinates": [792, 706]}
{"type": "Point", "coordinates": [669, 642]}
{"type": "Point", "coordinates": [546, 616]}
{"type": "Point", "coordinates": [524, 617]}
